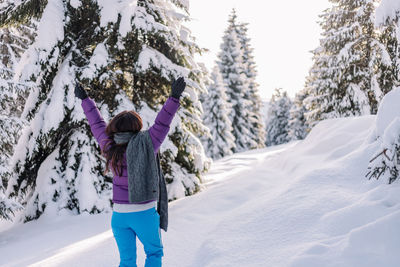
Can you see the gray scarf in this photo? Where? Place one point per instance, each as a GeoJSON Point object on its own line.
{"type": "Point", "coordinates": [123, 137]}
{"type": "Point", "coordinates": [145, 178]}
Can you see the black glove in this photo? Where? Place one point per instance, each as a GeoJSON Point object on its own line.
{"type": "Point", "coordinates": [80, 92]}
{"type": "Point", "coordinates": [177, 87]}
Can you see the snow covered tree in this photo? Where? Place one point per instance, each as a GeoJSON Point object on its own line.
{"type": "Point", "coordinates": [230, 62]}
{"type": "Point", "coordinates": [343, 79]}
{"type": "Point", "coordinates": [298, 126]}
{"type": "Point", "coordinates": [221, 142]}
{"type": "Point", "coordinates": [278, 118]}
{"type": "Point", "coordinates": [127, 52]}
{"type": "Point", "coordinates": [388, 29]}
{"type": "Point", "coordinates": [251, 92]}
{"type": "Point", "coordinates": [386, 163]}
{"type": "Point", "coordinates": [13, 42]}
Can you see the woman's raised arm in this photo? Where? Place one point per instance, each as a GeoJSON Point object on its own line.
{"type": "Point", "coordinates": [159, 130]}
{"type": "Point", "coordinates": [96, 121]}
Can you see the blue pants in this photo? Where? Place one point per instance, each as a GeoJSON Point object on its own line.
{"type": "Point", "coordinates": [146, 226]}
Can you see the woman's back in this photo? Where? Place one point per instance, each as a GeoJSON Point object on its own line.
{"type": "Point", "coordinates": [158, 131]}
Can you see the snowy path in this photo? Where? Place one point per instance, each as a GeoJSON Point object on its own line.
{"type": "Point", "coordinates": [300, 204]}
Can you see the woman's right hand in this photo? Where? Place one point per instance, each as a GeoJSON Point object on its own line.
{"type": "Point", "coordinates": [80, 92]}
{"type": "Point", "coordinates": [177, 87]}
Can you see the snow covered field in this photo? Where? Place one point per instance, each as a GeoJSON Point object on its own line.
{"type": "Point", "coordinates": [305, 203]}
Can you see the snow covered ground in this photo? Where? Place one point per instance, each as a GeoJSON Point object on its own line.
{"type": "Point", "coordinates": [305, 203]}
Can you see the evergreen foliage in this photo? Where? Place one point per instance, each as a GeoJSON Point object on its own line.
{"type": "Point", "coordinates": [128, 54]}
{"type": "Point", "coordinates": [232, 71]}
{"type": "Point", "coordinates": [220, 142]}
{"type": "Point", "coordinates": [389, 74]}
{"type": "Point", "coordinates": [386, 164]}
{"type": "Point", "coordinates": [298, 126]}
{"type": "Point", "coordinates": [237, 67]}
{"type": "Point", "coordinates": [278, 119]}
{"type": "Point", "coordinates": [251, 93]}
{"type": "Point", "coordinates": [346, 79]}
{"type": "Point", "coordinates": [13, 42]}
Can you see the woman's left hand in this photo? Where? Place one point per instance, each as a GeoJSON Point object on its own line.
{"type": "Point", "coordinates": [80, 92]}
{"type": "Point", "coordinates": [177, 87]}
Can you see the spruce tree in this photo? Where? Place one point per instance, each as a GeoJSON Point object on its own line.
{"type": "Point", "coordinates": [128, 54]}
{"type": "Point", "coordinates": [220, 142]}
{"type": "Point", "coordinates": [230, 62]}
{"type": "Point", "coordinates": [343, 79]}
{"type": "Point", "coordinates": [251, 93]}
{"type": "Point", "coordinates": [298, 126]}
{"type": "Point", "coordinates": [13, 42]}
{"type": "Point", "coordinates": [389, 29]}
{"type": "Point", "coordinates": [278, 118]}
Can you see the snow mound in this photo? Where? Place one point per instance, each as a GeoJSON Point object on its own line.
{"type": "Point", "coordinates": [360, 228]}
{"type": "Point", "coordinates": [388, 111]}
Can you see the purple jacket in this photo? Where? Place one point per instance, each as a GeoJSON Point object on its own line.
{"type": "Point", "coordinates": [158, 131]}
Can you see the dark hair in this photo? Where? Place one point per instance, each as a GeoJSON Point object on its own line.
{"type": "Point", "coordinates": [126, 121]}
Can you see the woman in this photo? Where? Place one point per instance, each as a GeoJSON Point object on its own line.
{"type": "Point", "coordinates": [131, 219]}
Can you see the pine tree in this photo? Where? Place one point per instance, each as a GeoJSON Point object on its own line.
{"type": "Point", "coordinates": [220, 142]}
{"type": "Point", "coordinates": [232, 70]}
{"type": "Point", "coordinates": [343, 80]}
{"type": "Point", "coordinates": [389, 29]}
{"type": "Point", "coordinates": [278, 119]}
{"type": "Point", "coordinates": [298, 126]}
{"type": "Point", "coordinates": [13, 42]}
{"type": "Point", "coordinates": [255, 121]}
{"type": "Point", "coordinates": [128, 54]}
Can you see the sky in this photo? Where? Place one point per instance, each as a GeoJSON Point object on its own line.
{"type": "Point", "coordinates": [282, 34]}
